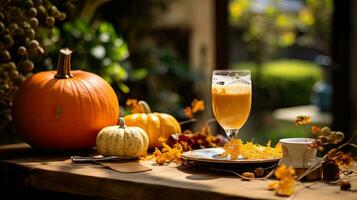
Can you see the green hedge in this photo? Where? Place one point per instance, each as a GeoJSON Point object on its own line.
{"type": "Point", "coordinates": [283, 82]}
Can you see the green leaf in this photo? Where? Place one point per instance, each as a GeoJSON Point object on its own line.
{"type": "Point", "coordinates": [140, 73]}
{"type": "Point", "coordinates": [124, 88]}
{"type": "Point", "coordinates": [117, 72]}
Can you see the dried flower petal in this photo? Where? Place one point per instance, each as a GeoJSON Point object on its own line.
{"type": "Point", "coordinates": [315, 130]}
{"type": "Point", "coordinates": [134, 106]}
{"type": "Point", "coordinates": [286, 184]}
{"type": "Point", "coordinates": [168, 154]}
{"type": "Point", "coordinates": [232, 149]}
{"type": "Point", "coordinates": [188, 112]}
{"type": "Point", "coordinates": [273, 185]}
{"type": "Point", "coordinates": [284, 172]}
{"type": "Point", "coordinates": [197, 105]}
{"type": "Point", "coordinates": [286, 187]}
{"type": "Point", "coordinates": [249, 150]}
{"type": "Point", "coordinates": [343, 160]}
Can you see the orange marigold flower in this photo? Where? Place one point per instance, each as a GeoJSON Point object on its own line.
{"type": "Point", "coordinates": [232, 148]}
{"type": "Point", "coordinates": [285, 186]}
{"type": "Point", "coordinates": [302, 120]}
{"type": "Point", "coordinates": [134, 106]}
{"type": "Point", "coordinates": [188, 112]}
{"type": "Point", "coordinates": [273, 185]}
{"type": "Point", "coordinates": [249, 150]}
{"type": "Point", "coordinates": [284, 172]}
{"type": "Point", "coordinates": [315, 130]}
{"type": "Point", "coordinates": [131, 102]}
{"type": "Point", "coordinates": [168, 154]}
{"type": "Point", "coordinates": [197, 105]}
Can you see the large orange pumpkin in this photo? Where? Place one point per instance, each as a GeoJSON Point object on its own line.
{"type": "Point", "coordinates": [159, 126]}
{"type": "Point", "coordinates": [64, 110]}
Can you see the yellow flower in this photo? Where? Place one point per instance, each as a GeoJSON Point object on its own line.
{"type": "Point", "coordinates": [188, 112]}
{"type": "Point", "coordinates": [249, 150]}
{"type": "Point", "coordinates": [197, 105]}
{"type": "Point", "coordinates": [168, 154]}
{"type": "Point", "coordinates": [273, 185]}
{"type": "Point", "coordinates": [284, 172]}
{"type": "Point", "coordinates": [232, 148]}
{"type": "Point", "coordinates": [285, 186]}
{"type": "Point", "coordinates": [302, 120]}
{"type": "Point", "coordinates": [134, 106]}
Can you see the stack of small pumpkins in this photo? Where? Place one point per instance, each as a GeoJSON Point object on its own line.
{"type": "Point", "coordinates": [72, 110]}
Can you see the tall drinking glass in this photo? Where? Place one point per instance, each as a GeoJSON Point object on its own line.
{"type": "Point", "coordinates": [231, 99]}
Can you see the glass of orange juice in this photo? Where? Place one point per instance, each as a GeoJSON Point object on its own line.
{"type": "Point", "coordinates": [231, 99]}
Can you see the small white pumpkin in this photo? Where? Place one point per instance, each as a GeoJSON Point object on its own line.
{"type": "Point", "coordinates": [122, 141]}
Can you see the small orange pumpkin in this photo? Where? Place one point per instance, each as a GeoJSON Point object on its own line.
{"type": "Point", "coordinates": [64, 110]}
{"type": "Point", "coordinates": [159, 126]}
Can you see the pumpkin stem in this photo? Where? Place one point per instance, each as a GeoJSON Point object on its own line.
{"type": "Point", "coordinates": [145, 106]}
{"type": "Point", "coordinates": [64, 64]}
{"type": "Point", "coordinates": [122, 123]}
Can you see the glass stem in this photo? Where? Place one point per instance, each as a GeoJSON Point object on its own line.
{"type": "Point", "coordinates": [232, 133]}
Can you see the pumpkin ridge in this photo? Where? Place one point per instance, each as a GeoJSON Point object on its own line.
{"type": "Point", "coordinates": [124, 139]}
{"type": "Point", "coordinates": [144, 135]}
{"type": "Point", "coordinates": [47, 87]}
{"type": "Point", "coordinates": [106, 95]}
{"type": "Point", "coordinates": [91, 99]}
{"type": "Point", "coordinates": [60, 100]}
{"type": "Point", "coordinates": [78, 97]}
{"type": "Point", "coordinates": [36, 106]}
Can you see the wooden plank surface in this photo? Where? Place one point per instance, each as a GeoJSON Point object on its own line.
{"type": "Point", "coordinates": [22, 166]}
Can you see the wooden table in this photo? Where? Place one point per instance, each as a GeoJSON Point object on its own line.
{"type": "Point", "coordinates": [22, 166]}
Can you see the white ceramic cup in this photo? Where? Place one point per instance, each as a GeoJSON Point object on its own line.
{"type": "Point", "coordinates": [296, 152]}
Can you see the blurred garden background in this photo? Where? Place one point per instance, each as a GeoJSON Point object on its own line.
{"type": "Point", "coordinates": [300, 53]}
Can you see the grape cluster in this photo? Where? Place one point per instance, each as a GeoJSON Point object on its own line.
{"type": "Point", "coordinates": [20, 21]}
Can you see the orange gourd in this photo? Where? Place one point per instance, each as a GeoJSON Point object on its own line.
{"type": "Point", "coordinates": [158, 126]}
{"type": "Point", "coordinates": [64, 110]}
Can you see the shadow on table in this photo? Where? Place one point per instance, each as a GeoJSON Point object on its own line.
{"type": "Point", "coordinates": [23, 150]}
{"type": "Point", "coordinates": [208, 171]}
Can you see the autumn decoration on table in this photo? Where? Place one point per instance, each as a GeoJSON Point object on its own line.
{"type": "Point", "coordinates": [122, 141]}
{"type": "Point", "coordinates": [235, 149]}
{"type": "Point", "coordinates": [200, 139]}
{"type": "Point", "coordinates": [169, 154]}
{"type": "Point", "coordinates": [333, 163]}
{"type": "Point", "coordinates": [159, 126]}
{"type": "Point", "coordinates": [64, 110]}
{"type": "Point", "coordinates": [170, 147]}
{"type": "Point", "coordinates": [285, 186]}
